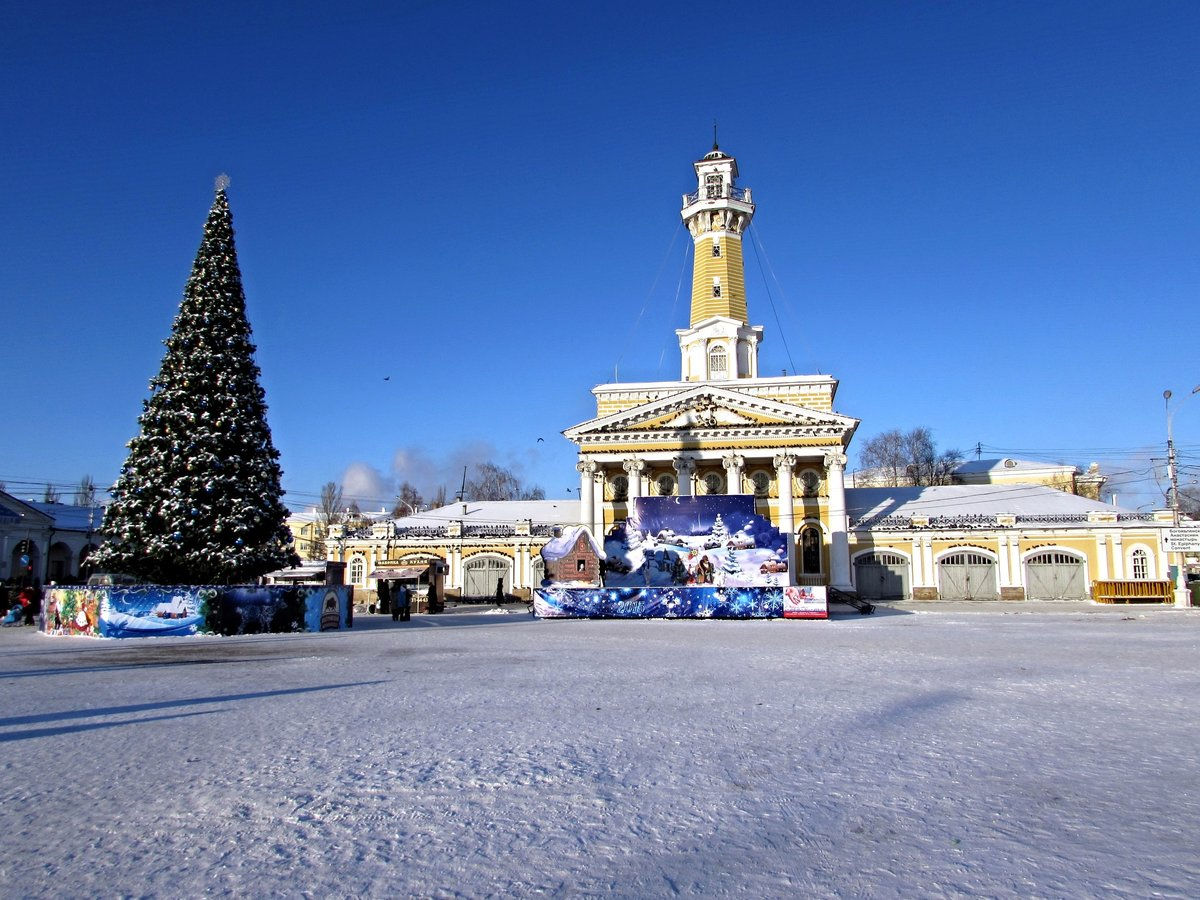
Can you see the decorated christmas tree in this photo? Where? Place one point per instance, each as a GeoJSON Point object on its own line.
{"type": "Point", "coordinates": [719, 531]}
{"type": "Point", "coordinates": [198, 500]}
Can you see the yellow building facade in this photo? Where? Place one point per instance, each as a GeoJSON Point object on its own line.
{"type": "Point", "coordinates": [722, 428]}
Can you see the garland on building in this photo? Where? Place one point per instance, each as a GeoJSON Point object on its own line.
{"type": "Point", "coordinates": [198, 500]}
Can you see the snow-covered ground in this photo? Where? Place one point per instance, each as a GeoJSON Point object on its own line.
{"type": "Point", "coordinates": [992, 750]}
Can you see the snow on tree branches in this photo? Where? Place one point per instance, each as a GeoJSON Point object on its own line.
{"type": "Point", "coordinates": [198, 500]}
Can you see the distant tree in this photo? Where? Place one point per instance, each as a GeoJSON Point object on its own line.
{"type": "Point", "coordinates": [85, 494]}
{"type": "Point", "coordinates": [492, 482]}
{"type": "Point", "coordinates": [439, 498]}
{"type": "Point", "coordinates": [51, 494]}
{"type": "Point", "coordinates": [885, 453]}
{"type": "Point", "coordinates": [329, 512]}
{"type": "Point", "coordinates": [198, 500]}
{"type": "Point", "coordinates": [408, 500]}
{"type": "Point", "coordinates": [901, 458]}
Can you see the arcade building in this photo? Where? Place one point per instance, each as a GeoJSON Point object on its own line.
{"type": "Point", "coordinates": [723, 428]}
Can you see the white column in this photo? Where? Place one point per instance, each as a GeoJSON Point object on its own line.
{"type": "Point", "coordinates": [597, 523]}
{"type": "Point", "coordinates": [1102, 557]}
{"type": "Point", "coordinates": [733, 464]}
{"type": "Point", "coordinates": [1119, 558]}
{"type": "Point", "coordinates": [587, 492]}
{"type": "Point", "coordinates": [839, 550]}
{"type": "Point", "coordinates": [927, 556]}
{"type": "Point", "coordinates": [684, 466]}
{"type": "Point", "coordinates": [783, 477]}
{"type": "Point", "coordinates": [634, 469]}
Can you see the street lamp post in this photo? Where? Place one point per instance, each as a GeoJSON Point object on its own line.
{"type": "Point", "coordinates": [1182, 596]}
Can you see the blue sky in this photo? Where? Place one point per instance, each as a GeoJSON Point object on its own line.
{"type": "Point", "coordinates": [980, 217]}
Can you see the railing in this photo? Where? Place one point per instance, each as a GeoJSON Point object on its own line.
{"type": "Point", "coordinates": [736, 193]}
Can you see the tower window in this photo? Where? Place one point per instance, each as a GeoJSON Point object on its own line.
{"type": "Point", "coordinates": [714, 187]}
{"type": "Point", "coordinates": [716, 248]}
{"type": "Point", "coordinates": [718, 362]}
{"type": "Point", "coordinates": [716, 287]}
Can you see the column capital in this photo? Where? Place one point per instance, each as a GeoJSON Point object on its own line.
{"type": "Point", "coordinates": [634, 466]}
{"type": "Point", "coordinates": [785, 460]}
{"type": "Point", "coordinates": [835, 460]}
{"type": "Point", "coordinates": [683, 464]}
{"type": "Point", "coordinates": [733, 461]}
{"type": "Point", "coordinates": [585, 467]}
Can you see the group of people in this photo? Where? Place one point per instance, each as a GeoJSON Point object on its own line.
{"type": "Point", "coordinates": [20, 604]}
{"type": "Point", "coordinates": [398, 599]}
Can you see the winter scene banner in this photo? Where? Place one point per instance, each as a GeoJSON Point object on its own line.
{"type": "Point", "coordinates": [159, 610]}
{"type": "Point", "coordinates": [687, 557]}
{"type": "Point", "coordinates": [695, 541]}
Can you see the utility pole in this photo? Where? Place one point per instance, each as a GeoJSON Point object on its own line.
{"type": "Point", "coordinates": [1182, 596]}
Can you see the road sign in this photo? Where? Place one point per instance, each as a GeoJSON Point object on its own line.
{"type": "Point", "coordinates": [1182, 540]}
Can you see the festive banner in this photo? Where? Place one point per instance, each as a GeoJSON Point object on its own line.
{"type": "Point", "coordinates": [715, 540]}
{"type": "Point", "coordinates": [158, 610]}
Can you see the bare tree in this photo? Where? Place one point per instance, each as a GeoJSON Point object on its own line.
{"type": "Point", "coordinates": [85, 494]}
{"type": "Point", "coordinates": [328, 513]}
{"type": "Point", "coordinates": [885, 453]}
{"type": "Point", "coordinates": [493, 482]}
{"type": "Point", "coordinates": [408, 501]}
{"type": "Point", "coordinates": [439, 499]}
{"type": "Point", "coordinates": [51, 494]}
{"type": "Point", "coordinates": [909, 458]}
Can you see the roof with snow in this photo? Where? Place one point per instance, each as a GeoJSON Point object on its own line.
{"type": "Point", "coordinates": [495, 512]}
{"type": "Point", "coordinates": [1008, 464]}
{"type": "Point", "coordinates": [970, 500]}
{"type": "Point", "coordinates": [71, 518]}
{"type": "Point", "coordinates": [561, 546]}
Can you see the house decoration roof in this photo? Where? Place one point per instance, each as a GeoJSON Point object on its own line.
{"type": "Point", "coordinates": [559, 547]}
{"type": "Point", "coordinates": [1009, 464]}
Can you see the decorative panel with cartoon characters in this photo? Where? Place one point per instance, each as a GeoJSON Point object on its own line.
{"type": "Point", "coordinates": [158, 610]}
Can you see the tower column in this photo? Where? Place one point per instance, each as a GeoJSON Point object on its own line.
{"type": "Point", "coordinates": [684, 467]}
{"type": "Point", "coordinates": [839, 527]}
{"type": "Point", "coordinates": [733, 464]}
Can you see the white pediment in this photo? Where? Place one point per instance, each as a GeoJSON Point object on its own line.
{"type": "Point", "coordinates": [710, 408]}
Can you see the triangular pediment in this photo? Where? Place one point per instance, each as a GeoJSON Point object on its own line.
{"type": "Point", "coordinates": [710, 409]}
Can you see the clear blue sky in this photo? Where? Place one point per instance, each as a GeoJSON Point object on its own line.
{"type": "Point", "coordinates": [982, 217]}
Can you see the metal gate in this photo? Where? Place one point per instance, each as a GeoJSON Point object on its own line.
{"type": "Point", "coordinates": [967, 576]}
{"type": "Point", "coordinates": [881, 576]}
{"type": "Point", "coordinates": [480, 576]}
{"type": "Point", "coordinates": [1053, 575]}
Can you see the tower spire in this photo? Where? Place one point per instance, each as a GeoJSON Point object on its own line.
{"type": "Point", "coordinates": [715, 145]}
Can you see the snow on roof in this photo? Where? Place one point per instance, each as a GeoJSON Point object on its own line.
{"type": "Point", "coordinates": [969, 500]}
{"type": "Point", "coordinates": [71, 518]}
{"type": "Point", "coordinates": [561, 546]}
{"type": "Point", "coordinates": [495, 512]}
{"type": "Point", "coordinates": [1008, 464]}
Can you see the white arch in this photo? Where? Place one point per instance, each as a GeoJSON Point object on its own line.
{"type": "Point", "coordinates": [1151, 561]}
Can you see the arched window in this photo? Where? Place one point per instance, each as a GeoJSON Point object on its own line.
{"type": "Point", "coordinates": [712, 483]}
{"type": "Point", "coordinates": [718, 362]}
{"type": "Point", "coordinates": [809, 482]}
{"type": "Point", "coordinates": [620, 488]}
{"type": "Point", "coordinates": [665, 485]}
{"type": "Point", "coordinates": [762, 483]}
{"type": "Point", "coordinates": [1139, 565]}
{"type": "Point", "coordinates": [810, 551]}
{"type": "Point", "coordinates": [358, 570]}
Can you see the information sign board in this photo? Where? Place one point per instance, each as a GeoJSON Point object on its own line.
{"type": "Point", "coordinates": [1182, 540]}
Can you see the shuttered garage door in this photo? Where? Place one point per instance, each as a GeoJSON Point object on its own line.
{"type": "Point", "coordinates": [1055, 576]}
{"type": "Point", "coordinates": [881, 576]}
{"type": "Point", "coordinates": [967, 576]}
{"type": "Point", "coordinates": [481, 575]}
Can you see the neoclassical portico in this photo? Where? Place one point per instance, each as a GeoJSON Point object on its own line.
{"type": "Point", "coordinates": [722, 428]}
